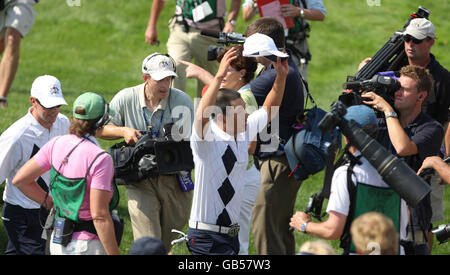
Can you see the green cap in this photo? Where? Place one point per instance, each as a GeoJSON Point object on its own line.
{"type": "Point", "coordinates": [94, 105]}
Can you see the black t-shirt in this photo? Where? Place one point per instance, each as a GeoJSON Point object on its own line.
{"type": "Point", "coordinates": [438, 102]}
{"type": "Point", "coordinates": [292, 102]}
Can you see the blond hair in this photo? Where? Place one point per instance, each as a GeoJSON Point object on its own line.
{"type": "Point", "coordinates": [318, 247]}
{"type": "Point", "coordinates": [374, 234]}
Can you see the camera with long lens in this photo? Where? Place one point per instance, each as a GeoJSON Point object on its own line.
{"type": "Point", "coordinates": [442, 233]}
{"type": "Point", "coordinates": [394, 171]}
{"type": "Point", "coordinates": [222, 38]}
{"type": "Point", "coordinates": [385, 86]}
{"type": "Point", "coordinates": [151, 157]}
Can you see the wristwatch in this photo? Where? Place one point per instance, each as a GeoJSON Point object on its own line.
{"type": "Point", "coordinates": [232, 22]}
{"type": "Point", "coordinates": [303, 228]}
{"type": "Point", "coordinates": [391, 114]}
{"type": "Point", "coordinates": [302, 13]}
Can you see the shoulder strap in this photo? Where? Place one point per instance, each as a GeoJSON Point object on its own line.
{"type": "Point", "coordinates": [351, 187]}
{"type": "Point", "coordinates": [92, 163]}
{"type": "Point", "coordinates": [304, 4]}
{"type": "Point", "coordinates": [64, 161]}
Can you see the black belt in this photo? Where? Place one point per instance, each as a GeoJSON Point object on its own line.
{"type": "Point", "coordinates": [83, 225]}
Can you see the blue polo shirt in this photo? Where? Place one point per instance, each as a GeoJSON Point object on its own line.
{"type": "Point", "coordinates": [292, 102]}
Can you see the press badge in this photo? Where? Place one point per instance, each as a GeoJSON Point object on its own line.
{"type": "Point", "coordinates": [201, 11]}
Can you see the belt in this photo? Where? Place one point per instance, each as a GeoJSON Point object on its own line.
{"type": "Point", "coordinates": [231, 231]}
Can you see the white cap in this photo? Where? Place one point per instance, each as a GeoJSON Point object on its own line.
{"type": "Point", "coordinates": [47, 89]}
{"type": "Point", "coordinates": [259, 44]}
{"type": "Point", "coordinates": [158, 66]}
{"type": "Point", "coordinates": [420, 28]}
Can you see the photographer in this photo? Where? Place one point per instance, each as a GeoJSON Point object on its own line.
{"type": "Point", "coordinates": [419, 38]}
{"type": "Point", "coordinates": [410, 133]}
{"type": "Point", "coordinates": [185, 42]}
{"type": "Point", "coordinates": [156, 205]}
{"type": "Point", "coordinates": [356, 175]}
{"type": "Point", "coordinates": [300, 11]}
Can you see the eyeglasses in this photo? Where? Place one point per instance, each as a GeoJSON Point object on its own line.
{"type": "Point", "coordinates": [408, 38]}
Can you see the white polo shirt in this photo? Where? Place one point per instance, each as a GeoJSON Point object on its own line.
{"type": "Point", "coordinates": [19, 143]}
{"type": "Point", "coordinates": [220, 165]}
{"type": "Point", "coordinates": [365, 173]}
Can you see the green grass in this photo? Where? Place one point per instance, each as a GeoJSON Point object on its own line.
{"type": "Point", "coordinates": [99, 47]}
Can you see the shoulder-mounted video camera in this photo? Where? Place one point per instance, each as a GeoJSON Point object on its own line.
{"type": "Point", "coordinates": [150, 157]}
{"type": "Point", "coordinates": [384, 86]}
{"type": "Point", "coordinates": [390, 57]}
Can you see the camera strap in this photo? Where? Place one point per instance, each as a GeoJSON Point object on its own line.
{"type": "Point", "coordinates": [147, 126]}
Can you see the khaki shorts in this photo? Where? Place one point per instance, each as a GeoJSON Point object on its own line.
{"type": "Point", "coordinates": [17, 15]}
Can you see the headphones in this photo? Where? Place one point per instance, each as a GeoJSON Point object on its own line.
{"type": "Point", "coordinates": [105, 118]}
{"type": "Point", "coordinates": [174, 68]}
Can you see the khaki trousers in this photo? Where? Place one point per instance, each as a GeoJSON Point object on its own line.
{"type": "Point", "coordinates": [189, 46]}
{"type": "Point", "coordinates": [274, 208]}
{"type": "Point", "coordinates": [156, 206]}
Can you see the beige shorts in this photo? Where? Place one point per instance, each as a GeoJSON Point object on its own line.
{"type": "Point", "coordinates": [18, 15]}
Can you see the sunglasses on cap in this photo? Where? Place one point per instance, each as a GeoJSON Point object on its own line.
{"type": "Point", "coordinates": [408, 38]}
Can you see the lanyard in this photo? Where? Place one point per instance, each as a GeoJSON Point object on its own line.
{"type": "Point", "coordinates": [154, 134]}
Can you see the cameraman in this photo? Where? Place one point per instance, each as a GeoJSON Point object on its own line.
{"type": "Point", "coordinates": [296, 37]}
{"type": "Point", "coordinates": [156, 205]}
{"type": "Point", "coordinates": [343, 202]}
{"type": "Point", "coordinates": [410, 134]}
{"type": "Point", "coordinates": [419, 38]}
{"type": "Point", "coordinates": [185, 41]}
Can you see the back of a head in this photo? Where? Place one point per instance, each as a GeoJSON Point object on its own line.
{"type": "Point", "coordinates": [374, 234]}
{"type": "Point", "coordinates": [224, 98]}
{"type": "Point", "coordinates": [318, 247]}
{"type": "Point", "coordinates": [365, 117]}
{"type": "Point", "coordinates": [269, 26]}
{"type": "Point", "coordinates": [147, 246]}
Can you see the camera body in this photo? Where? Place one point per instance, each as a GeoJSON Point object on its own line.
{"type": "Point", "coordinates": [150, 157]}
{"type": "Point", "coordinates": [385, 86]}
{"type": "Point", "coordinates": [442, 233]}
{"type": "Point", "coordinates": [224, 39]}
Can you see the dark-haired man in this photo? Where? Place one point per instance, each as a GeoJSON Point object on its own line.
{"type": "Point", "coordinates": [220, 149]}
{"type": "Point", "coordinates": [275, 202]}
